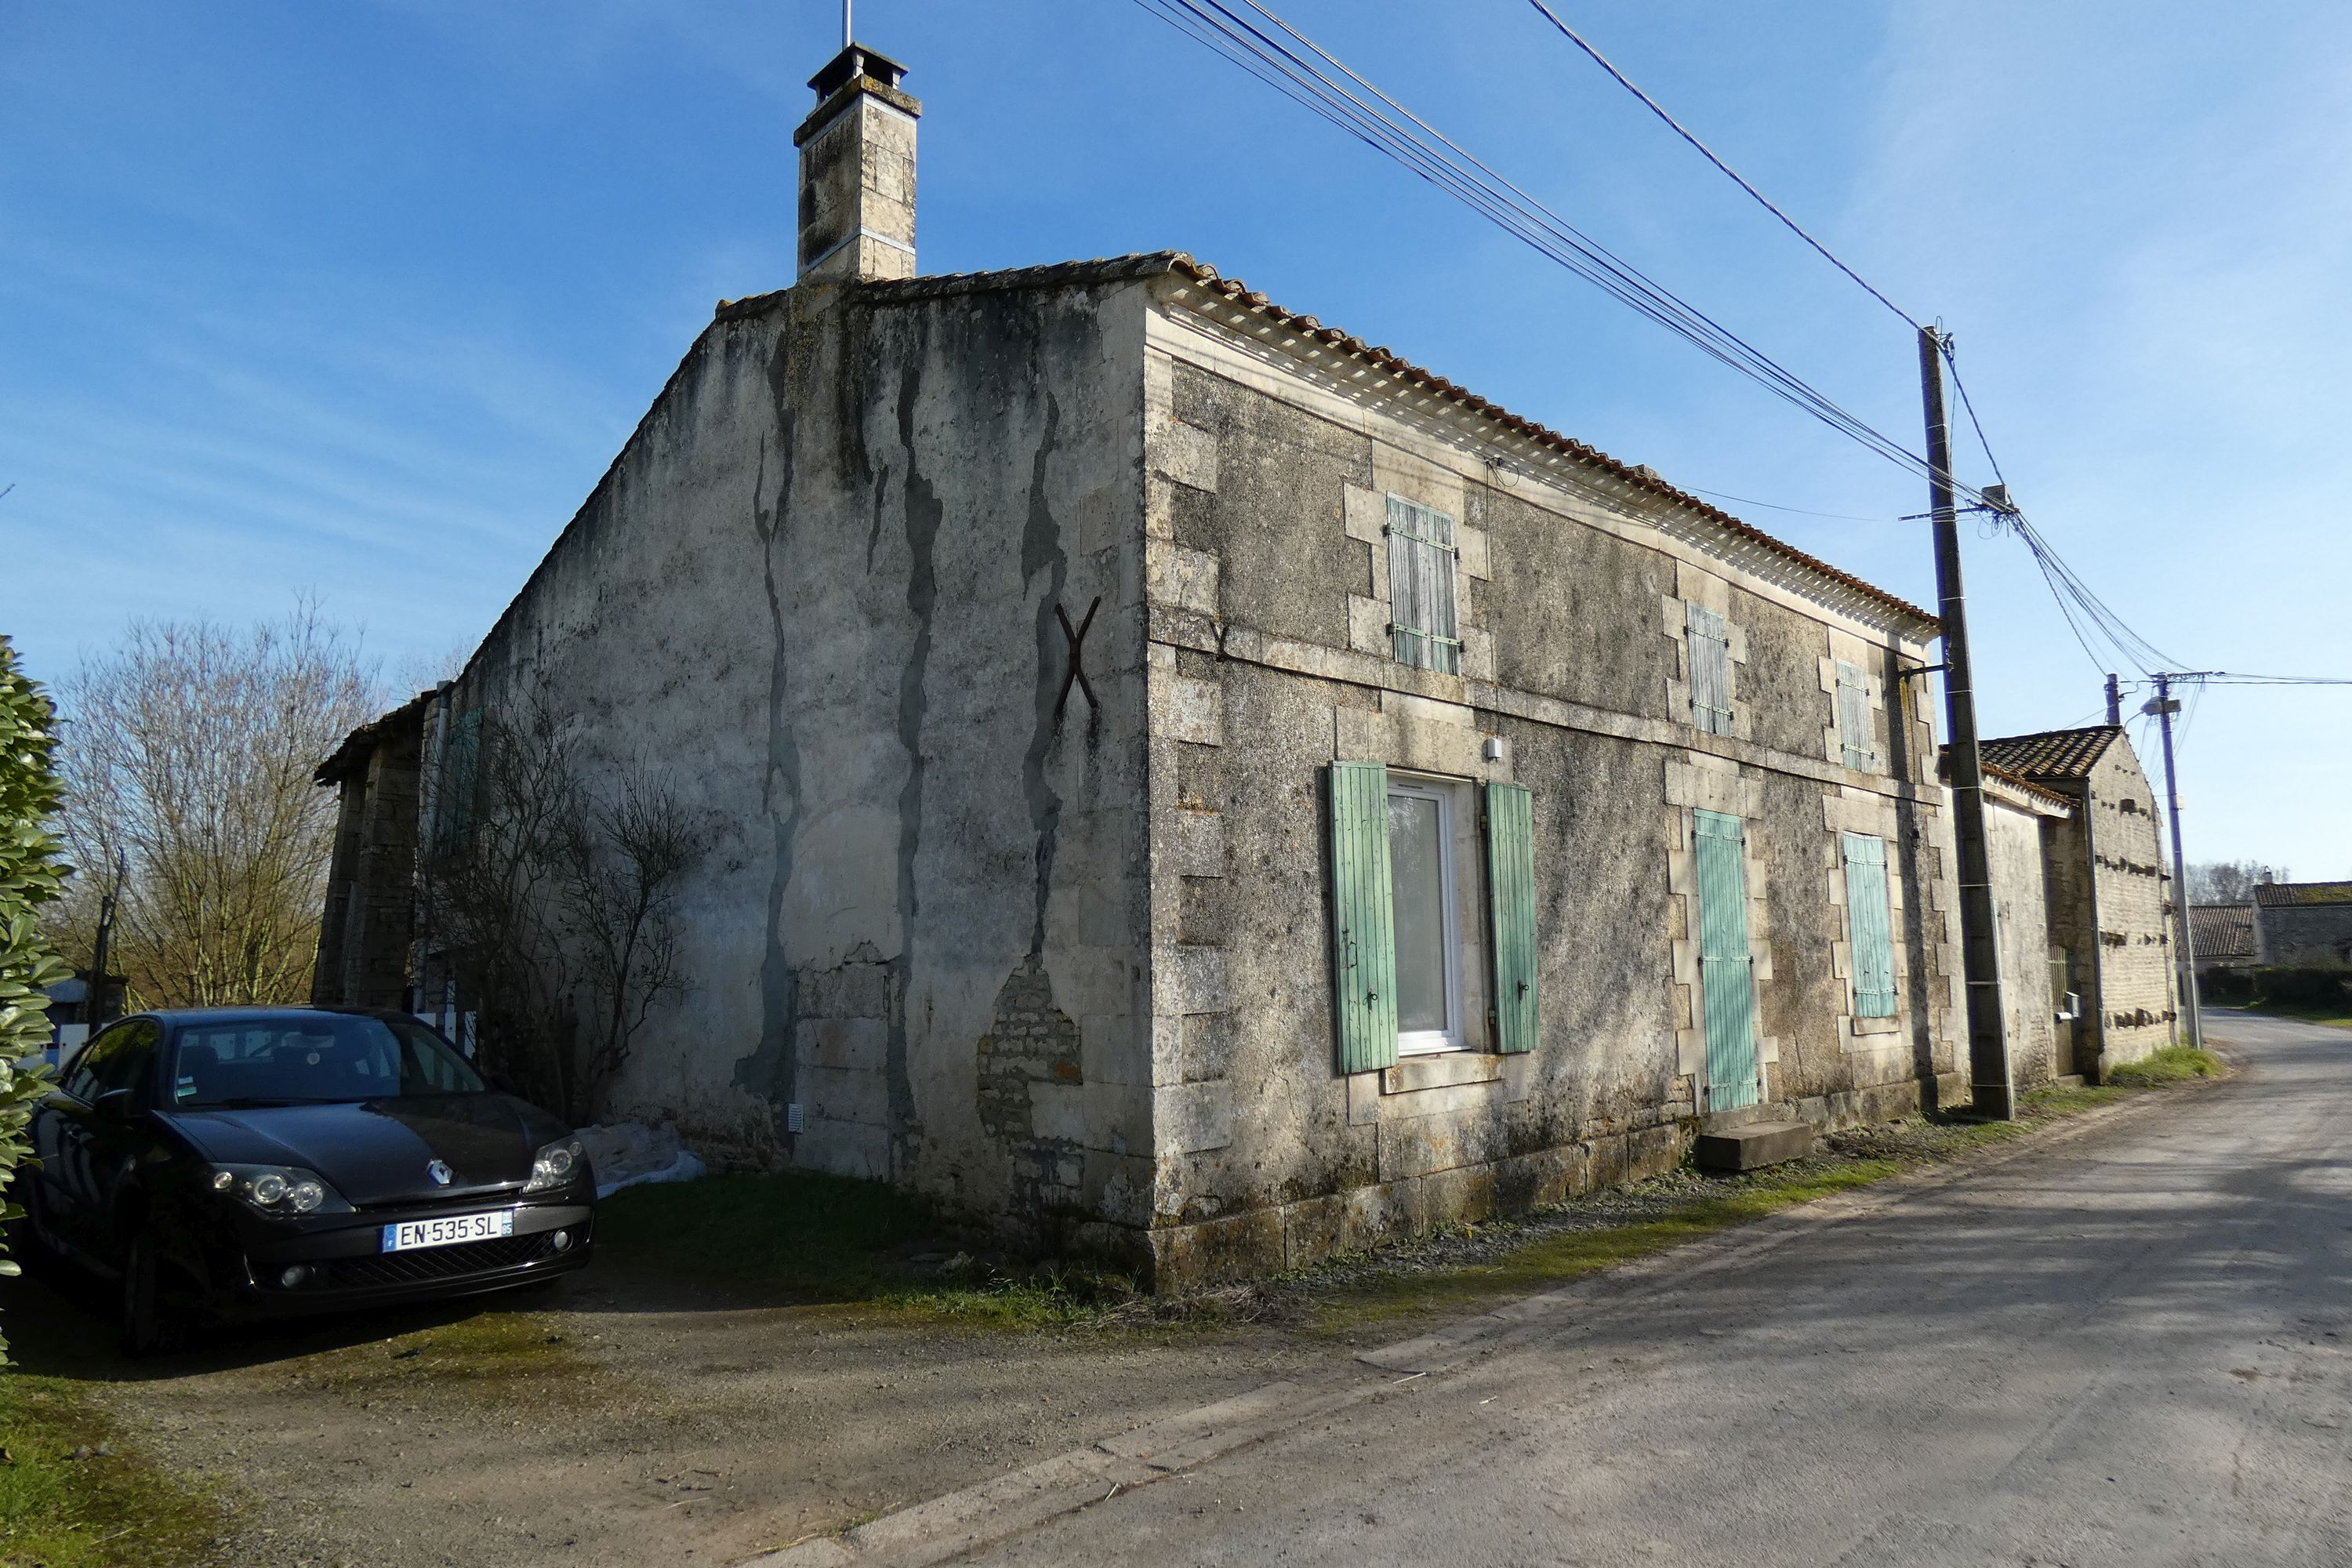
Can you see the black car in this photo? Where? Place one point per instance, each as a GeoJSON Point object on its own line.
{"type": "Point", "coordinates": [260, 1162]}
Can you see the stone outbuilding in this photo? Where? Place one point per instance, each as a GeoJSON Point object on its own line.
{"type": "Point", "coordinates": [2225, 934]}
{"type": "Point", "coordinates": [2038, 996]}
{"type": "Point", "coordinates": [2108, 892]}
{"type": "Point", "coordinates": [1188, 783]}
{"type": "Point", "coordinates": [2303, 925]}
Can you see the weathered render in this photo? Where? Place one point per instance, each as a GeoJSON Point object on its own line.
{"type": "Point", "coordinates": [2110, 892]}
{"type": "Point", "coordinates": [369, 924]}
{"type": "Point", "coordinates": [1017, 639]}
{"type": "Point", "coordinates": [2303, 925]}
{"type": "Point", "coordinates": [2036, 976]}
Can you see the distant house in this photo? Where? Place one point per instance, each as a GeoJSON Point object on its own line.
{"type": "Point", "coordinates": [2106, 889]}
{"type": "Point", "coordinates": [2224, 936]}
{"type": "Point", "coordinates": [2303, 925]}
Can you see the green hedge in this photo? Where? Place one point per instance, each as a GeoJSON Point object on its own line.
{"type": "Point", "coordinates": [32, 872]}
{"type": "Point", "coordinates": [2302, 987]}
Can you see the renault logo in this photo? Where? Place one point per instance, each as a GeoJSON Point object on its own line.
{"type": "Point", "coordinates": [440, 1172]}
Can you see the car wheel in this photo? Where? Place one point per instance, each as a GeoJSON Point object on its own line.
{"type": "Point", "coordinates": [143, 1291]}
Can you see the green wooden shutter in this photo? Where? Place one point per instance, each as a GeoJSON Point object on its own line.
{"type": "Point", "coordinates": [1854, 730]}
{"type": "Point", "coordinates": [1727, 981]}
{"type": "Point", "coordinates": [1511, 893]}
{"type": "Point", "coordinates": [1363, 931]}
{"type": "Point", "coordinates": [1709, 641]}
{"type": "Point", "coordinates": [1869, 923]}
{"type": "Point", "coordinates": [1422, 629]}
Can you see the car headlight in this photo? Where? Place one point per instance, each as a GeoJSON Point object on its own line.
{"type": "Point", "coordinates": [279, 1190]}
{"type": "Point", "coordinates": [555, 1166]}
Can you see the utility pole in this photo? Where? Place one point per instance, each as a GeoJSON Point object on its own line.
{"type": "Point", "coordinates": [2114, 704]}
{"type": "Point", "coordinates": [1994, 1090]}
{"type": "Point", "coordinates": [2164, 707]}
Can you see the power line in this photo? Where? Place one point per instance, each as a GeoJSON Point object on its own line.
{"type": "Point", "coordinates": [1296, 66]}
{"type": "Point", "coordinates": [1346, 99]}
{"type": "Point", "coordinates": [1775, 506]}
{"type": "Point", "coordinates": [2077, 606]}
{"type": "Point", "coordinates": [1708, 153]}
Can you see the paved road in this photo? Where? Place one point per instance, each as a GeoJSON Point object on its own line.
{"type": "Point", "coordinates": [2132, 1347]}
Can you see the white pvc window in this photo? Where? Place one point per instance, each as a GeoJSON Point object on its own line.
{"type": "Point", "coordinates": [1424, 886]}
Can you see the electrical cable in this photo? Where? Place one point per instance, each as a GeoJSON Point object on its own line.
{"type": "Point", "coordinates": [2061, 580]}
{"type": "Point", "coordinates": [1384, 124]}
{"type": "Point", "coordinates": [1775, 506]}
{"type": "Point", "coordinates": [1381, 122]}
{"type": "Point", "coordinates": [1708, 153]}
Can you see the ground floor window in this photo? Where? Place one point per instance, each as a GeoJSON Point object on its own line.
{"type": "Point", "coordinates": [1426, 900]}
{"type": "Point", "coordinates": [1433, 916]}
{"type": "Point", "coordinates": [1870, 926]}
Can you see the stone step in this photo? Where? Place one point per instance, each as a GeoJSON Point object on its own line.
{"type": "Point", "coordinates": [1755, 1145]}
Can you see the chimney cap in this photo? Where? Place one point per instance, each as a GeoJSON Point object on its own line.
{"type": "Point", "coordinates": [853, 62]}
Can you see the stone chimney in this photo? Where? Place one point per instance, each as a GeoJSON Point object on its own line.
{"type": "Point", "coordinates": [857, 171]}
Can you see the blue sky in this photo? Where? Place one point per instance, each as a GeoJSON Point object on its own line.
{"type": "Point", "coordinates": [359, 299]}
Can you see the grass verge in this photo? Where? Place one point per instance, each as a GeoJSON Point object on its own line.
{"type": "Point", "coordinates": [808, 1238]}
{"type": "Point", "coordinates": [2335, 1017]}
{"type": "Point", "coordinates": [1481, 1266]}
{"type": "Point", "coordinates": [815, 1239]}
{"type": "Point", "coordinates": [109, 1507]}
{"type": "Point", "coordinates": [2166, 1065]}
{"type": "Point", "coordinates": [508, 1358]}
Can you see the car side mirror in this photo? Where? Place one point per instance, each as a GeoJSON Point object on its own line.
{"type": "Point", "coordinates": [116, 1105]}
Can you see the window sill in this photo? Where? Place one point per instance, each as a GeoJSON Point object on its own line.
{"type": "Point", "coordinates": [1441, 1070]}
{"type": "Point", "coordinates": [1874, 1025]}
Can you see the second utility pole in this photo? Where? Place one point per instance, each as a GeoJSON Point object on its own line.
{"type": "Point", "coordinates": [2185, 973]}
{"type": "Point", "coordinates": [1989, 1071]}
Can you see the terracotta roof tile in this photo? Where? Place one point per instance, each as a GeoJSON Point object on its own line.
{"type": "Point", "coordinates": [2272, 894]}
{"type": "Point", "coordinates": [2049, 755]}
{"type": "Point", "coordinates": [2222, 932]}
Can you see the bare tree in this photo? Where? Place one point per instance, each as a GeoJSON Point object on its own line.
{"type": "Point", "coordinates": [188, 754]}
{"type": "Point", "coordinates": [2230, 881]}
{"type": "Point", "coordinates": [554, 904]}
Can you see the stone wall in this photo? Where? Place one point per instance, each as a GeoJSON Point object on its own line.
{"type": "Point", "coordinates": [2305, 936]}
{"type": "Point", "coordinates": [2137, 989]}
{"type": "Point", "coordinates": [2014, 833]}
{"type": "Point", "coordinates": [822, 592]}
{"type": "Point", "coordinates": [1270, 658]}
{"type": "Point", "coordinates": [370, 915]}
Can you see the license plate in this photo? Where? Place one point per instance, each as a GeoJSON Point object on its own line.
{"type": "Point", "coordinates": [409, 1234]}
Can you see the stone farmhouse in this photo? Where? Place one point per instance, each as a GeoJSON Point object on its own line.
{"type": "Point", "coordinates": [1193, 786]}
{"type": "Point", "coordinates": [2107, 892]}
{"type": "Point", "coordinates": [2303, 925]}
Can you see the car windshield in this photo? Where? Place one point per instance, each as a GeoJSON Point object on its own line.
{"type": "Point", "coordinates": [312, 1059]}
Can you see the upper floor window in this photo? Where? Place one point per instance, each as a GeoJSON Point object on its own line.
{"type": "Point", "coordinates": [1709, 641]}
{"type": "Point", "coordinates": [1855, 735]}
{"type": "Point", "coordinates": [1421, 627]}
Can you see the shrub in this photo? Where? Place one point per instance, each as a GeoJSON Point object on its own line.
{"type": "Point", "coordinates": [2302, 987]}
{"type": "Point", "coordinates": [2226, 987]}
{"type": "Point", "coordinates": [31, 874]}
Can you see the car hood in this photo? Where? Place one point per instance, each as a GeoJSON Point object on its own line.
{"type": "Point", "coordinates": [380, 1150]}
